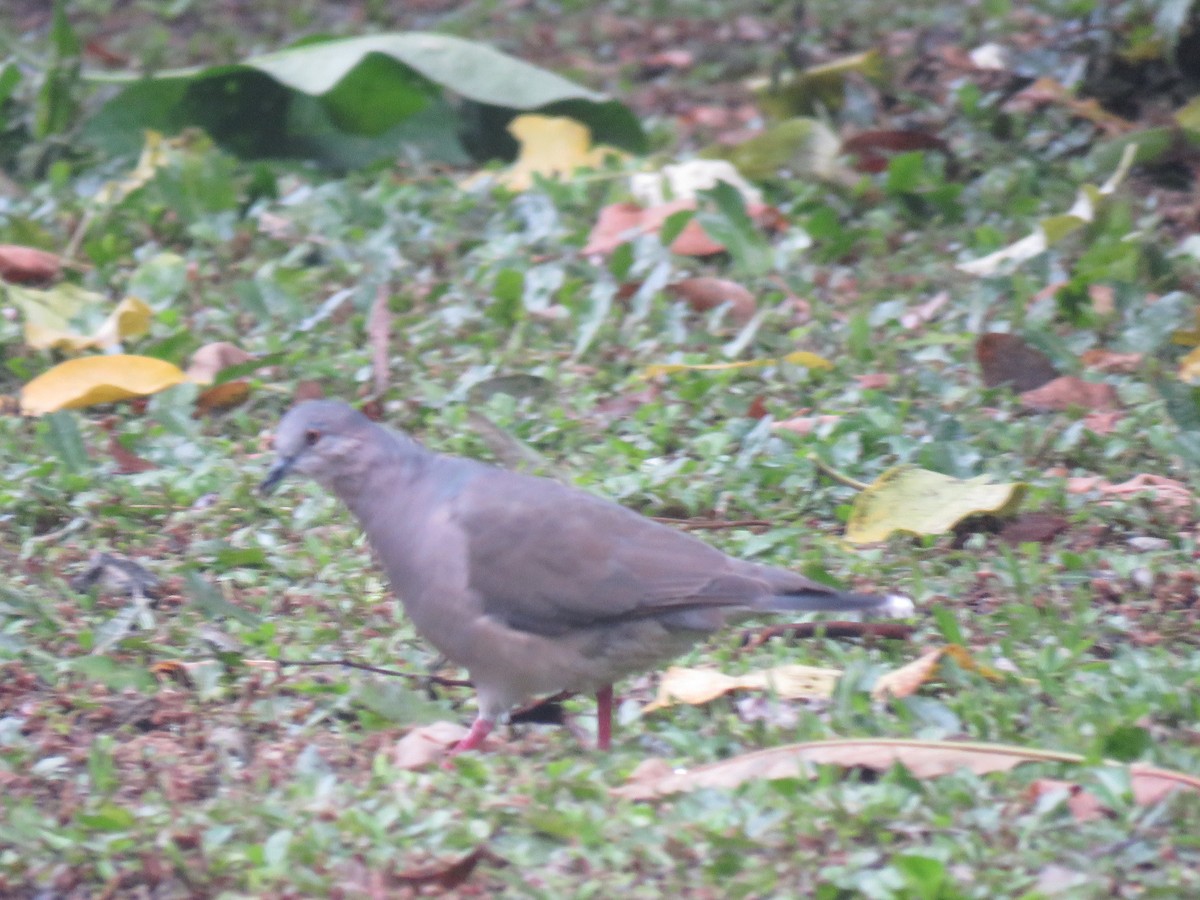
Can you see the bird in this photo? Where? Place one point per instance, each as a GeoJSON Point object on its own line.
{"type": "Point", "coordinates": [535, 587]}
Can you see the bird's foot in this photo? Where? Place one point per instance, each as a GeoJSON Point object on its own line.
{"type": "Point", "coordinates": [472, 740]}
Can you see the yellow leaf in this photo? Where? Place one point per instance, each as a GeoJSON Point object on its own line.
{"type": "Point", "coordinates": [1189, 367]}
{"type": "Point", "coordinates": [797, 358]}
{"type": "Point", "coordinates": [53, 318]}
{"type": "Point", "coordinates": [155, 154]}
{"type": "Point", "coordinates": [905, 681]}
{"type": "Point", "coordinates": [97, 379]}
{"type": "Point", "coordinates": [915, 500]}
{"type": "Point", "coordinates": [550, 147]}
{"type": "Point", "coordinates": [1053, 228]}
{"type": "Point", "coordinates": [697, 686]}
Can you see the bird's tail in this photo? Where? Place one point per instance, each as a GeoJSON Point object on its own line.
{"type": "Point", "coordinates": [892, 606]}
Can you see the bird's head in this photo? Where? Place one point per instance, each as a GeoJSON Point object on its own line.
{"type": "Point", "coordinates": [317, 438]}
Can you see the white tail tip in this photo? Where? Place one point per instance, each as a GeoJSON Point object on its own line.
{"type": "Point", "coordinates": [897, 606]}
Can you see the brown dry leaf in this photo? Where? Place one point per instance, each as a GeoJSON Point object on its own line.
{"type": "Point", "coordinates": [379, 332]}
{"type": "Point", "coordinates": [445, 877]}
{"type": "Point", "coordinates": [27, 265]}
{"type": "Point", "coordinates": [1164, 490]}
{"type": "Point", "coordinates": [804, 424]}
{"type": "Point", "coordinates": [1103, 422]}
{"type": "Point", "coordinates": [873, 381]}
{"type": "Point", "coordinates": [1007, 359]}
{"type": "Point", "coordinates": [1040, 527]}
{"type": "Point", "coordinates": [924, 759]}
{"type": "Point", "coordinates": [620, 223]}
{"type": "Point", "coordinates": [698, 686]}
{"type": "Point", "coordinates": [919, 315]}
{"type": "Point", "coordinates": [222, 396]}
{"type": "Point", "coordinates": [1149, 786]}
{"type": "Point", "coordinates": [128, 462]}
{"type": "Point", "coordinates": [875, 148]}
{"type": "Point", "coordinates": [1046, 91]}
{"type": "Point", "coordinates": [616, 224]}
{"type": "Point", "coordinates": [1069, 391]}
{"type": "Point", "coordinates": [209, 361]}
{"type": "Point", "coordinates": [905, 681]}
{"type": "Point", "coordinates": [704, 293]}
{"type": "Point", "coordinates": [307, 390]}
{"type": "Point", "coordinates": [426, 745]}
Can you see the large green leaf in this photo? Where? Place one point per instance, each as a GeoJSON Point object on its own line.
{"type": "Point", "coordinates": [349, 102]}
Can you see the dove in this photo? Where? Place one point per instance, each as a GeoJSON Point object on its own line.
{"type": "Point", "coordinates": [533, 586]}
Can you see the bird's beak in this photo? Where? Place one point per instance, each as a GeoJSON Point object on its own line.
{"type": "Point", "coordinates": [276, 475]}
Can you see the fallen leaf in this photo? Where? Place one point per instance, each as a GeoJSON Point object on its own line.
{"type": "Point", "coordinates": [445, 877]}
{"type": "Point", "coordinates": [1054, 228]}
{"type": "Point", "coordinates": [128, 462]}
{"type": "Point", "coordinates": [616, 224]}
{"type": "Point", "coordinates": [379, 333]}
{"type": "Point", "coordinates": [1040, 527]}
{"type": "Point", "coordinates": [924, 312]}
{"type": "Point", "coordinates": [923, 759]}
{"type": "Point", "coordinates": [1111, 361]}
{"type": "Point", "coordinates": [873, 381]}
{"type": "Point", "coordinates": [703, 294]}
{"type": "Point", "coordinates": [874, 148]}
{"type": "Point", "coordinates": [1007, 359]}
{"type": "Point", "coordinates": [918, 501]}
{"type": "Point", "coordinates": [1047, 90]}
{"type": "Point", "coordinates": [1102, 422]}
{"type": "Point", "coordinates": [156, 153]}
{"type": "Point", "coordinates": [1148, 787]}
{"type": "Point", "coordinates": [51, 316]}
{"type": "Point", "coordinates": [1163, 489]}
{"type": "Point", "coordinates": [619, 223]}
{"type": "Point", "coordinates": [1189, 367]}
{"type": "Point", "coordinates": [797, 358]}
{"type": "Point", "coordinates": [211, 359]}
{"type": "Point", "coordinates": [1070, 391]}
{"type": "Point", "coordinates": [222, 396]}
{"type": "Point", "coordinates": [27, 265]}
{"type": "Point", "coordinates": [698, 686]}
{"type": "Point", "coordinates": [550, 147]}
{"type": "Point", "coordinates": [817, 87]}
{"type": "Point", "coordinates": [804, 424]}
{"type": "Point", "coordinates": [684, 182]}
{"type": "Point", "coordinates": [906, 680]}
{"type": "Point", "coordinates": [307, 390]}
{"type": "Point", "coordinates": [806, 148]}
{"type": "Point", "coordinates": [97, 379]}
{"type": "Point", "coordinates": [426, 745]}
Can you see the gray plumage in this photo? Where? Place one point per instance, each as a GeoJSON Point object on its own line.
{"type": "Point", "coordinates": [533, 586]}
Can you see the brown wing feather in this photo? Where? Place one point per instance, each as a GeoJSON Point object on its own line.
{"type": "Point", "coordinates": [546, 558]}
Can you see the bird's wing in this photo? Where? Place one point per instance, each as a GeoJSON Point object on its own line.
{"type": "Point", "coordinates": [545, 557]}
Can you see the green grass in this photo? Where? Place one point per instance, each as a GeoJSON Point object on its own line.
{"type": "Point", "coordinates": [236, 781]}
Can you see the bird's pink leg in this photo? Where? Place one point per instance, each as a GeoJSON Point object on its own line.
{"type": "Point", "coordinates": [604, 704]}
{"type": "Point", "coordinates": [480, 729]}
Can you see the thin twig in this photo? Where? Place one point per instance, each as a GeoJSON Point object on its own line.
{"type": "Point", "coordinates": [701, 525]}
{"type": "Point", "coordinates": [836, 475]}
{"type": "Point", "coordinates": [350, 664]}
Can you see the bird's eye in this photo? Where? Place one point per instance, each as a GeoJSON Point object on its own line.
{"type": "Point", "coordinates": [311, 436]}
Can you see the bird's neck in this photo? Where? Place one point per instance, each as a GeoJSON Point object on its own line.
{"type": "Point", "coordinates": [383, 474]}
